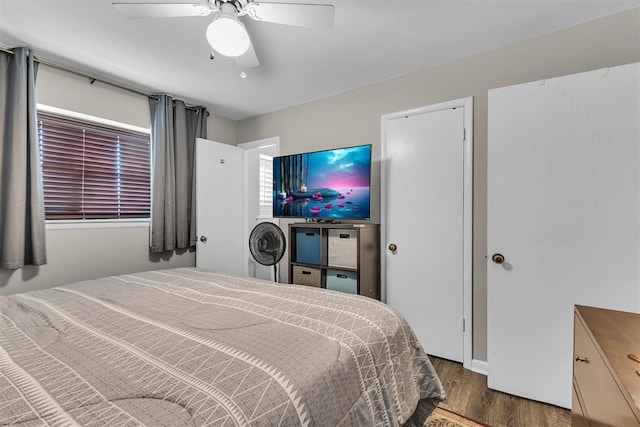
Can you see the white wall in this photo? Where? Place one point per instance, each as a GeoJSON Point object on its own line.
{"type": "Point", "coordinates": [353, 117]}
{"type": "Point", "coordinates": [85, 253]}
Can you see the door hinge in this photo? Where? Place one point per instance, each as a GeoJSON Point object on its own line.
{"type": "Point", "coordinates": [464, 325]}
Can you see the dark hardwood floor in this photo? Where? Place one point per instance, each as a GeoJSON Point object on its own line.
{"type": "Point", "coordinates": [468, 395]}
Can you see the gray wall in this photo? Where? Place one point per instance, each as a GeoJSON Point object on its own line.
{"type": "Point", "coordinates": [353, 117]}
{"type": "Point", "coordinates": [85, 253]}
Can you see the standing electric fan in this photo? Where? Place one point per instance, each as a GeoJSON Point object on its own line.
{"type": "Point", "coordinates": [267, 244]}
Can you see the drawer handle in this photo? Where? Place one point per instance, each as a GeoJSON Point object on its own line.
{"type": "Point", "coordinates": [634, 356]}
{"type": "Point", "coordinates": [342, 276]}
{"type": "Point", "coordinates": [306, 272]}
{"type": "Point", "coordinates": [310, 234]}
{"type": "Point", "coordinates": [345, 236]}
{"type": "Point", "coordinates": [582, 359]}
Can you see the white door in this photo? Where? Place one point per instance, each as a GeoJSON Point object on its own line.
{"type": "Point", "coordinates": [424, 201]}
{"type": "Point", "coordinates": [219, 206]}
{"type": "Point", "coordinates": [564, 211]}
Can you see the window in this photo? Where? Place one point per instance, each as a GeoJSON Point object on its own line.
{"type": "Point", "coordinates": [266, 186]}
{"type": "Point", "coordinates": [93, 170]}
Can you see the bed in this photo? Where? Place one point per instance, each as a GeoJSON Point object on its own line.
{"type": "Point", "coordinates": [193, 347]}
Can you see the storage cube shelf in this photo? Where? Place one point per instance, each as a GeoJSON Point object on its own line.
{"type": "Point", "coordinates": [342, 257]}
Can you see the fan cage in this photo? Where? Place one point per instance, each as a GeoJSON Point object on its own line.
{"type": "Point", "coordinates": [267, 243]}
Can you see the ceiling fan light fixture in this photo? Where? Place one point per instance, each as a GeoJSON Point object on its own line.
{"type": "Point", "coordinates": [226, 34]}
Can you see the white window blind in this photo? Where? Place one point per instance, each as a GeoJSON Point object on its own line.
{"type": "Point", "coordinates": [266, 186]}
{"type": "Point", "coordinates": [93, 171]}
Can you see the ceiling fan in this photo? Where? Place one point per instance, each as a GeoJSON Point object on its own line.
{"type": "Point", "coordinates": [226, 33]}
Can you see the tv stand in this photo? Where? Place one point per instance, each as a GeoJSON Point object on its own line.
{"type": "Point", "coordinates": [343, 257]}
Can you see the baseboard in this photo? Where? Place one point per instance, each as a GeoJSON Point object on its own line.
{"type": "Point", "coordinates": [480, 366]}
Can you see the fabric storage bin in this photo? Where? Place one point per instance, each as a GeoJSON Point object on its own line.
{"type": "Point", "coordinates": [308, 245]}
{"type": "Point", "coordinates": [307, 276]}
{"type": "Point", "coordinates": [343, 248]}
{"type": "Point", "coordinates": [344, 281]}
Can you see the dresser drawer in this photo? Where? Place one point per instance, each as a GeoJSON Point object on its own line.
{"type": "Point", "coordinates": [344, 281]}
{"type": "Point", "coordinates": [343, 248]}
{"type": "Point", "coordinates": [307, 276]}
{"type": "Point", "coordinates": [308, 245]}
{"type": "Point", "coordinates": [578, 419]}
{"type": "Point", "coordinates": [595, 386]}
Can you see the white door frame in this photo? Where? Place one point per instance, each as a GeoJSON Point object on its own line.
{"type": "Point", "coordinates": [467, 104]}
{"type": "Point", "coordinates": [275, 140]}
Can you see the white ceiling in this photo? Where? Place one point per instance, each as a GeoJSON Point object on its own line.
{"type": "Point", "coordinates": [371, 41]}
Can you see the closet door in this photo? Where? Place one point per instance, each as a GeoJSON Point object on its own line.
{"type": "Point", "coordinates": [426, 188]}
{"type": "Point", "coordinates": [564, 214]}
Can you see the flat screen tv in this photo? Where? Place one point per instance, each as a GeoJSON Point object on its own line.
{"type": "Point", "coordinates": [331, 184]}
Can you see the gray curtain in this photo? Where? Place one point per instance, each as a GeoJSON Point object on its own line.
{"type": "Point", "coordinates": [174, 129]}
{"type": "Point", "coordinates": [22, 227]}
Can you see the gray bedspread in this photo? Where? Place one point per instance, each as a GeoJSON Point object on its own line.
{"type": "Point", "coordinates": [193, 347]}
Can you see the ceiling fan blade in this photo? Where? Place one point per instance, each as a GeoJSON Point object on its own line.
{"type": "Point", "coordinates": [249, 59]}
{"type": "Point", "coordinates": [162, 10]}
{"type": "Point", "coordinates": [318, 16]}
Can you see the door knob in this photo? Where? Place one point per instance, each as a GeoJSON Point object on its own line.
{"type": "Point", "coordinates": [497, 258]}
{"type": "Point", "coordinates": [203, 239]}
{"type": "Point", "coordinates": [393, 247]}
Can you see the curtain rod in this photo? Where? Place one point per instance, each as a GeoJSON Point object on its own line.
{"type": "Point", "coordinates": [91, 79]}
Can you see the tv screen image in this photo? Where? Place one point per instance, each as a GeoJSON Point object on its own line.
{"type": "Point", "coordinates": [331, 184]}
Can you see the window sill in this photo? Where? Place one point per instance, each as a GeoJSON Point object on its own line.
{"type": "Point", "coordinates": [96, 223]}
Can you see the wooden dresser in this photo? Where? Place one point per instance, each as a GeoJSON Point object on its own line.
{"type": "Point", "coordinates": [606, 388]}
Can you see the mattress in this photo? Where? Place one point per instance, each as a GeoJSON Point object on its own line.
{"type": "Point", "coordinates": [194, 347]}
